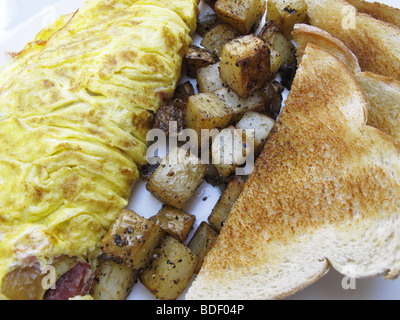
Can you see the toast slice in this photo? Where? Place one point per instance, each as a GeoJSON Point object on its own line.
{"type": "Point", "coordinates": [304, 34]}
{"type": "Point", "coordinates": [377, 10]}
{"type": "Point", "coordinates": [383, 93]}
{"type": "Point", "coordinates": [324, 192]}
{"type": "Point", "coordinates": [376, 43]}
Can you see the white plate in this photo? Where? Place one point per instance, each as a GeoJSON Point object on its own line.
{"type": "Point", "coordinates": [21, 20]}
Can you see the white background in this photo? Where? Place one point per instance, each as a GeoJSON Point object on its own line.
{"type": "Point", "coordinates": [20, 20]}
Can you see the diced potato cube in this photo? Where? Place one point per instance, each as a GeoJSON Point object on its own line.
{"type": "Point", "coordinates": [202, 242]}
{"type": "Point", "coordinates": [288, 73]}
{"type": "Point", "coordinates": [294, 12]}
{"type": "Point", "coordinates": [147, 170]}
{"type": "Point", "coordinates": [243, 15]}
{"type": "Point", "coordinates": [245, 65]}
{"type": "Point", "coordinates": [184, 91]}
{"type": "Point", "coordinates": [132, 239]}
{"type": "Point", "coordinates": [276, 62]}
{"type": "Point", "coordinates": [207, 111]}
{"type": "Point", "coordinates": [224, 206]}
{"type": "Point", "coordinates": [197, 58]}
{"type": "Point", "coordinates": [212, 177]}
{"type": "Point", "coordinates": [231, 148]}
{"type": "Point", "coordinates": [273, 99]}
{"type": "Point", "coordinates": [177, 178]}
{"type": "Point", "coordinates": [175, 222]}
{"type": "Point", "coordinates": [239, 105]}
{"type": "Point", "coordinates": [209, 79]}
{"type": "Point", "coordinates": [170, 116]}
{"type": "Point", "coordinates": [215, 39]}
{"type": "Point", "coordinates": [286, 13]}
{"type": "Point", "coordinates": [168, 275]}
{"type": "Point", "coordinates": [113, 281]}
{"type": "Point", "coordinates": [273, 13]}
{"type": "Point", "coordinates": [278, 42]}
{"type": "Point", "coordinates": [206, 23]}
{"type": "Point", "coordinates": [211, 3]}
{"type": "Point", "coordinates": [261, 124]}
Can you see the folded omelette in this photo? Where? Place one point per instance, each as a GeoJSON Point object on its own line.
{"type": "Point", "coordinates": [75, 107]}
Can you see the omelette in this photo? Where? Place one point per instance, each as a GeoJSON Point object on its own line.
{"type": "Point", "coordinates": [75, 107]}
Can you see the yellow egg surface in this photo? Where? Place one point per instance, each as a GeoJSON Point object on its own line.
{"type": "Point", "coordinates": [75, 107]}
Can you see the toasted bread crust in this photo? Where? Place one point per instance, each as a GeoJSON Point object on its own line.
{"type": "Point", "coordinates": [303, 34]}
{"type": "Point", "coordinates": [317, 195]}
{"type": "Point", "coordinates": [383, 94]}
{"type": "Point", "coordinates": [375, 43]}
{"type": "Point", "coordinates": [378, 11]}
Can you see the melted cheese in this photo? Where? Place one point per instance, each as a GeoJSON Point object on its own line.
{"type": "Point", "coordinates": [75, 108]}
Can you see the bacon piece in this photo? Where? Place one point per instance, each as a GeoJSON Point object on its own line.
{"type": "Point", "coordinates": [76, 282]}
